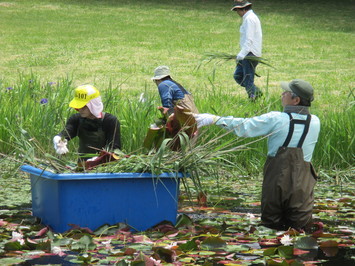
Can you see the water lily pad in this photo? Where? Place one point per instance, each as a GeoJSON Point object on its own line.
{"type": "Point", "coordinates": [85, 243]}
{"type": "Point", "coordinates": [11, 261]}
{"type": "Point", "coordinates": [306, 243]}
{"type": "Point", "coordinates": [285, 252]}
{"type": "Point", "coordinates": [270, 251]}
{"type": "Point", "coordinates": [188, 246]}
{"type": "Point", "coordinates": [183, 220]}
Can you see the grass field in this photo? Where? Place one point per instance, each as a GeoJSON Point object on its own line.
{"type": "Point", "coordinates": [116, 45]}
{"type": "Point", "coordinates": [123, 41]}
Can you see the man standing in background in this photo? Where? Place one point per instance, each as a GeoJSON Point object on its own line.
{"type": "Point", "coordinates": [250, 45]}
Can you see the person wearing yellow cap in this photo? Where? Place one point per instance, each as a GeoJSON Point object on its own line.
{"type": "Point", "coordinates": [96, 129]}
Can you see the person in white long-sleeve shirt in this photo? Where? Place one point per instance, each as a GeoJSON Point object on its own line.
{"type": "Point", "coordinates": [289, 177]}
{"type": "Point", "coordinates": [250, 45]}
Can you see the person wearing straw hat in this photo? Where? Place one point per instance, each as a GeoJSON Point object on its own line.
{"type": "Point", "coordinates": [178, 107]}
{"type": "Point", "coordinates": [289, 177]}
{"type": "Point", "coordinates": [96, 129]}
{"type": "Point", "coordinates": [171, 92]}
{"type": "Point", "coordinates": [251, 46]}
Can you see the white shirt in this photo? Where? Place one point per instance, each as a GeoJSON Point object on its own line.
{"type": "Point", "coordinates": [250, 35]}
{"type": "Point", "coordinates": [275, 125]}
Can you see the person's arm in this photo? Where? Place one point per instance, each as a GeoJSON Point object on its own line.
{"type": "Point", "coordinates": [166, 95]}
{"type": "Point", "coordinates": [250, 127]}
{"type": "Point", "coordinates": [71, 127]}
{"type": "Point", "coordinates": [112, 129]}
{"type": "Point", "coordinates": [69, 132]}
{"type": "Point", "coordinates": [250, 28]}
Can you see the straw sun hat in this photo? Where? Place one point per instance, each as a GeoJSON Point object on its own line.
{"type": "Point", "coordinates": [161, 72]}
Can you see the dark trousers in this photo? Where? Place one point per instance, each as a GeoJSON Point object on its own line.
{"type": "Point", "coordinates": [244, 76]}
{"type": "Point", "coordinates": [287, 191]}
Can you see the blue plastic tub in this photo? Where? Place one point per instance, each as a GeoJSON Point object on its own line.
{"type": "Point", "coordinates": [140, 200]}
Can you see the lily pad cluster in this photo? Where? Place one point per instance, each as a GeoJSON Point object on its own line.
{"type": "Point", "coordinates": [202, 236]}
{"type": "Point", "coordinates": [218, 227]}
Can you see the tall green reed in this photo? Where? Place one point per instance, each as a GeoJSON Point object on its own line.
{"type": "Point", "coordinates": [39, 108]}
{"type": "Point", "coordinates": [22, 109]}
{"type": "Point", "coordinates": [336, 145]}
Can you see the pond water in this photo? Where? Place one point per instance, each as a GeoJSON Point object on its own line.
{"type": "Point", "coordinates": [232, 211]}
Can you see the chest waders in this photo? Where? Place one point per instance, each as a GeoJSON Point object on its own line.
{"type": "Point", "coordinates": [287, 190]}
{"type": "Point", "coordinates": [187, 103]}
{"type": "Point", "coordinates": [91, 135]}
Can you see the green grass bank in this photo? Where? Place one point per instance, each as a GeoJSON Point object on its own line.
{"type": "Point", "coordinates": [49, 47]}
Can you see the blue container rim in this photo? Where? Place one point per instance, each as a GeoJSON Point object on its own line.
{"type": "Point", "coordinates": [85, 176]}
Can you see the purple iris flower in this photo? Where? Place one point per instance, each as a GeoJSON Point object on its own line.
{"type": "Point", "coordinates": [51, 83]}
{"type": "Point", "coordinates": [44, 101]}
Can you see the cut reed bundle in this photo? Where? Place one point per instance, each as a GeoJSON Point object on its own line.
{"type": "Point", "coordinates": [220, 57]}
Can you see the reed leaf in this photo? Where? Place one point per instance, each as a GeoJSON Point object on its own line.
{"type": "Point", "coordinates": [220, 57]}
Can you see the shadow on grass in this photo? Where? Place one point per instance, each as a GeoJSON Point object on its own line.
{"type": "Point", "coordinates": [329, 15]}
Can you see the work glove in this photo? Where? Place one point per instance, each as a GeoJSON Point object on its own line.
{"type": "Point", "coordinates": [205, 119]}
{"type": "Point", "coordinates": [60, 145]}
{"type": "Point", "coordinates": [239, 57]}
{"type": "Point", "coordinates": [92, 159]}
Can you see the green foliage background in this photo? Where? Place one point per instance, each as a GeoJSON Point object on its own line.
{"type": "Point", "coordinates": [48, 47]}
{"type": "Point", "coordinates": [116, 45]}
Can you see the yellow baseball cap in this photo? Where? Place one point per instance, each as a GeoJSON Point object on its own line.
{"type": "Point", "coordinates": [83, 95]}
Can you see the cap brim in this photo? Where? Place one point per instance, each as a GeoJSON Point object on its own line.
{"type": "Point", "coordinates": [285, 86]}
{"type": "Point", "coordinates": [239, 7]}
{"type": "Point", "coordinates": [159, 77]}
{"type": "Point", "coordinates": [77, 104]}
